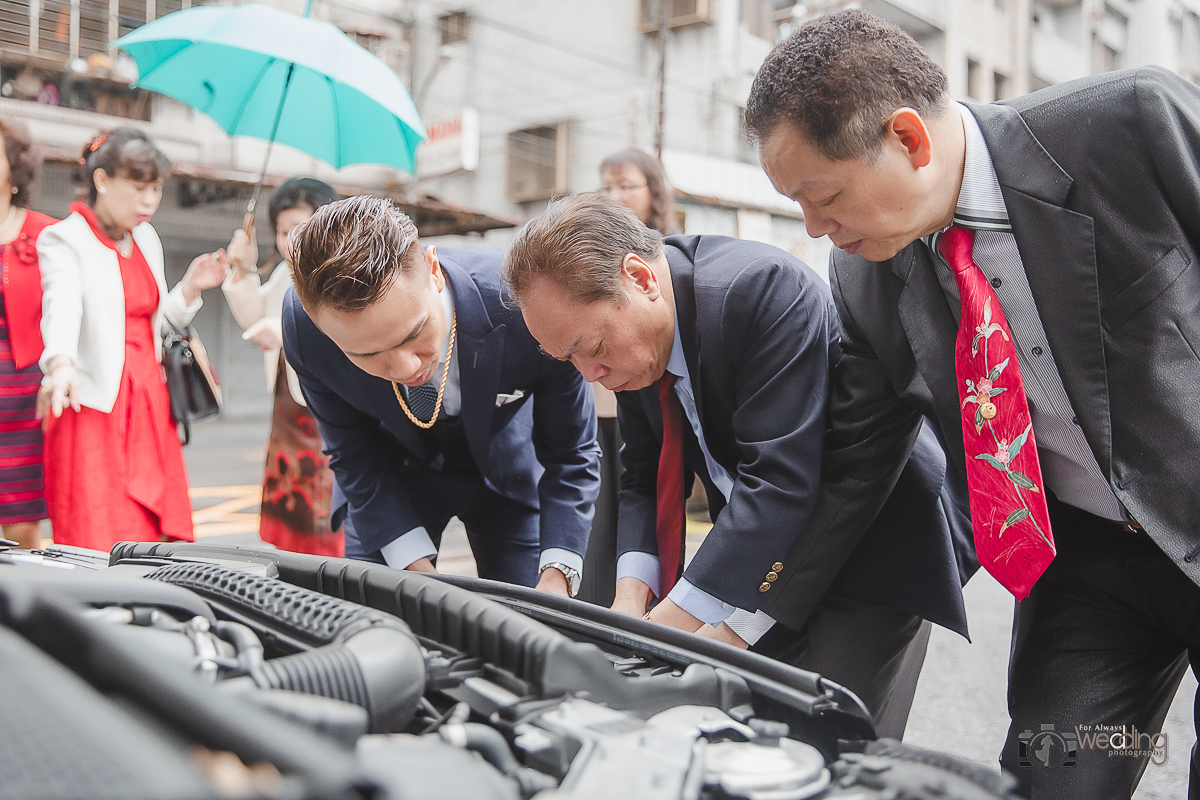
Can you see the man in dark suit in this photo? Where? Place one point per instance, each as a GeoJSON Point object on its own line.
{"type": "Point", "coordinates": [434, 401]}
{"type": "Point", "coordinates": [719, 351]}
{"type": "Point", "coordinates": [1073, 214]}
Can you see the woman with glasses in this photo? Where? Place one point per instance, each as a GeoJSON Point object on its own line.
{"type": "Point", "coordinates": [638, 181]}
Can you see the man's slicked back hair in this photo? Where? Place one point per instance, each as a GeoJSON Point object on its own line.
{"type": "Point", "coordinates": [838, 78]}
{"type": "Point", "coordinates": [348, 255]}
{"type": "Point", "coordinates": [580, 244]}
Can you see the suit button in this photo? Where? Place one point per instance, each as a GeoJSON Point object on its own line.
{"type": "Point", "coordinates": [771, 576]}
{"type": "Point", "coordinates": [996, 282]}
{"type": "Point", "coordinates": [777, 566]}
{"type": "Point", "coordinates": [764, 587]}
{"type": "Point", "coordinates": [1037, 351]}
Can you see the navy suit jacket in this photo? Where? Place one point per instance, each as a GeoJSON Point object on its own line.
{"type": "Point", "coordinates": [760, 336]}
{"type": "Point", "coordinates": [539, 450]}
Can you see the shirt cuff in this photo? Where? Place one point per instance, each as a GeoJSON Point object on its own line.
{"type": "Point", "coordinates": [192, 307]}
{"type": "Point", "coordinates": [749, 626]}
{"type": "Point", "coordinates": [402, 552]}
{"type": "Point", "coordinates": [699, 603]}
{"type": "Point", "coordinates": [559, 555]}
{"type": "Point", "coordinates": [643, 566]}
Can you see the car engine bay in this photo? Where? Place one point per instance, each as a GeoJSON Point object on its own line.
{"type": "Point", "coordinates": [196, 671]}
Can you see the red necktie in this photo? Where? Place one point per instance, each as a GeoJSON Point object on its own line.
{"type": "Point", "coordinates": [1008, 507]}
{"type": "Point", "coordinates": [670, 497]}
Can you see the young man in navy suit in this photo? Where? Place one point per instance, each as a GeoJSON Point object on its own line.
{"type": "Point", "coordinates": [720, 351]}
{"type": "Point", "coordinates": [434, 401]}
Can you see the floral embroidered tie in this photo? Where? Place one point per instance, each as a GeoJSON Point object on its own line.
{"type": "Point", "coordinates": [669, 489]}
{"type": "Point", "coordinates": [1008, 507]}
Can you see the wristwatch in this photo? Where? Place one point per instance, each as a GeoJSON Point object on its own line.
{"type": "Point", "coordinates": [572, 575]}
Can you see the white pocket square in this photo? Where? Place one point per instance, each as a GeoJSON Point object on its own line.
{"type": "Point", "coordinates": [505, 399]}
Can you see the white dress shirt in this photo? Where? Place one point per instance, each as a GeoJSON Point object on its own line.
{"type": "Point", "coordinates": [750, 626]}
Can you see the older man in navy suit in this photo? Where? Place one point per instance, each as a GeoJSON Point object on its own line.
{"type": "Point", "coordinates": [434, 401]}
{"type": "Point", "coordinates": [720, 352]}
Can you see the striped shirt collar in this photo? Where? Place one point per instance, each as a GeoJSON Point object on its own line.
{"type": "Point", "coordinates": [980, 203]}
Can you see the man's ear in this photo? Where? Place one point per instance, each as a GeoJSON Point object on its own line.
{"type": "Point", "coordinates": [434, 266]}
{"type": "Point", "coordinates": [906, 127]}
{"type": "Point", "coordinates": [641, 275]}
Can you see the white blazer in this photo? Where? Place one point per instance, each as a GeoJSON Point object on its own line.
{"type": "Point", "coordinates": [83, 305]}
{"type": "Point", "coordinates": [250, 300]}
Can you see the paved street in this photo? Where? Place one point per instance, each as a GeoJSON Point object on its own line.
{"type": "Point", "coordinates": [959, 706]}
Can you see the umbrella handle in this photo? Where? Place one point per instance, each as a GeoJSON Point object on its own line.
{"type": "Point", "coordinates": [247, 226]}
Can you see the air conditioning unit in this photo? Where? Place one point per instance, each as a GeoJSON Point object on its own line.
{"type": "Point", "coordinates": [681, 13]}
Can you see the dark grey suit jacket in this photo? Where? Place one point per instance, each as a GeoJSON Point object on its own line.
{"type": "Point", "coordinates": [1102, 184]}
{"type": "Point", "coordinates": [759, 333]}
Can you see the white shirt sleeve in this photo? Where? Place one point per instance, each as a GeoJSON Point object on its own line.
{"type": "Point", "coordinates": [408, 548]}
{"type": "Point", "coordinates": [559, 555]}
{"type": "Point", "coordinates": [643, 566]}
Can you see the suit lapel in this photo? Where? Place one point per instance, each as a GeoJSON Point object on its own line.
{"type": "Point", "coordinates": [931, 331]}
{"type": "Point", "coordinates": [1058, 250]}
{"type": "Point", "coordinates": [480, 356]}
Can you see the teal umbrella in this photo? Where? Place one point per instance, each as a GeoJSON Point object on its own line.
{"type": "Point", "coordinates": [262, 72]}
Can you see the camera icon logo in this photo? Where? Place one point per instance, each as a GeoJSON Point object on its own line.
{"type": "Point", "coordinates": [1047, 748]}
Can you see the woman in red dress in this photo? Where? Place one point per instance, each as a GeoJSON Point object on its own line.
{"type": "Point", "coordinates": [114, 466]}
{"type": "Point", "coordinates": [297, 481]}
{"type": "Point", "coordinates": [22, 502]}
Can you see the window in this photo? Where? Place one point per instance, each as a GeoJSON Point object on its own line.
{"type": "Point", "coordinates": [1188, 40]}
{"type": "Point", "coordinates": [763, 17]}
{"type": "Point", "coordinates": [46, 28]}
{"type": "Point", "coordinates": [371, 42]}
{"type": "Point", "coordinates": [1110, 39]}
{"type": "Point", "coordinates": [973, 75]}
{"type": "Point", "coordinates": [453, 27]}
{"type": "Point", "coordinates": [680, 13]}
{"type": "Point", "coordinates": [539, 162]}
{"type": "Point", "coordinates": [999, 86]}
{"type": "Point", "coordinates": [48, 31]}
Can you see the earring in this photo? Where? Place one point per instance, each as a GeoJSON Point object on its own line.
{"type": "Point", "coordinates": [101, 190]}
{"type": "Point", "coordinates": [14, 190]}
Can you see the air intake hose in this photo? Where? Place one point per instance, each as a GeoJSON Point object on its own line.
{"type": "Point", "coordinates": [350, 652]}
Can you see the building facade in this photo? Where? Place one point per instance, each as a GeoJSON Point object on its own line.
{"type": "Point", "coordinates": [524, 98]}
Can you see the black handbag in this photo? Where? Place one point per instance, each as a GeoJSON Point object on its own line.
{"type": "Point", "coordinates": [193, 386]}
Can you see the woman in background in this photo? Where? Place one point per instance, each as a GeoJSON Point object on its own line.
{"type": "Point", "coordinates": [638, 181]}
{"type": "Point", "coordinates": [297, 481]}
{"type": "Point", "coordinates": [22, 501]}
{"type": "Point", "coordinates": [114, 466]}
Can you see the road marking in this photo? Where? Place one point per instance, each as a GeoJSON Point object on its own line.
{"type": "Point", "coordinates": [236, 513]}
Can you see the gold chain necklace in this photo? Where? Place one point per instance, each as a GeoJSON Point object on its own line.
{"type": "Point", "coordinates": [437, 407]}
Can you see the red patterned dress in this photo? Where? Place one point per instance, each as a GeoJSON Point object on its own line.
{"type": "Point", "coordinates": [21, 496]}
{"type": "Point", "coordinates": [120, 476]}
{"type": "Point", "coordinates": [297, 481]}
